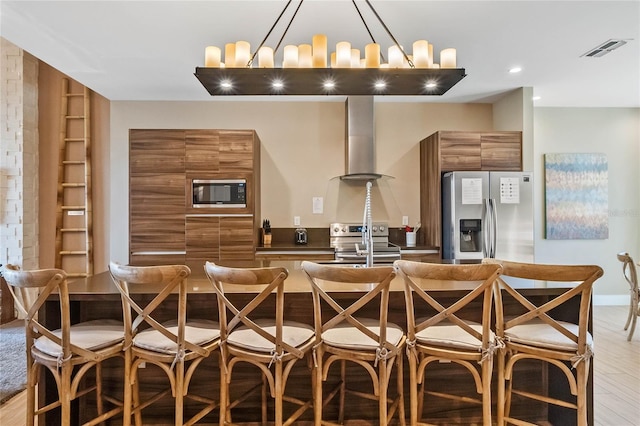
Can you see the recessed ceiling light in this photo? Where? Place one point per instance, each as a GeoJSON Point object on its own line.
{"type": "Point", "coordinates": [380, 84]}
{"type": "Point", "coordinates": [431, 85]}
{"type": "Point", "coordinates": [277, 84]}
{"type": "Point", "coordinates": [515, 70]}
{"type": "Point", "coordinates": [329, 84]}
{"type": "Point", "coordinates": [226, 84]}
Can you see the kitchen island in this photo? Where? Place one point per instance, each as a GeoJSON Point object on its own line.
{"type": "Point", "coordinates": [96, 297]}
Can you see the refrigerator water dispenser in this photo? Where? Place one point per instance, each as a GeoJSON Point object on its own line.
{"type": "Point", "coordinates": [470, 235]}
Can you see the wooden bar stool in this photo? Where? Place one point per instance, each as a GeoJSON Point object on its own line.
{"type": "Point", "coordinates": [267, 341]}
{"type": "Point", "coordinates": [452, 331]}
{"type": "Point", "coordinates": [69, 352]}
{"type": "Point", "coordinates": [176, 346]}
{"type": "Point", "coordinates": [631, 275]}
{"type": "Point", "coordinates": [538, 332]}
{"type": "Point", "coordinates": [344, 335]}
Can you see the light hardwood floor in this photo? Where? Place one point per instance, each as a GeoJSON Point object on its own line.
{"type": "Point", "coordinates": [616, 374]}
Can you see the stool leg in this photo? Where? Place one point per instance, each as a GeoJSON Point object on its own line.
{"type": "Point", "coordinates": [317, 387]}
{"type": "Point", "coordinates": [343, 389]}
{"type": "Point", "coordinates": [400, 388]}
{"type": "Point", "coordinates": [500, 388]}
{"type": "Point", "coordinates": [382, 396]}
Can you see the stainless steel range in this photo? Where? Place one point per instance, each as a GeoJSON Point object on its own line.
{"type": "Point", "coordinates": [349, 245]}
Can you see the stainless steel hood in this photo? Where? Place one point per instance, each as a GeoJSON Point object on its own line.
{"type": "Point", "coordinates": [360, 146]}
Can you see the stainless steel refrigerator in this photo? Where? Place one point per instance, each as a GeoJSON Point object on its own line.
{"type": "Point", "coordinates": [487, 214]}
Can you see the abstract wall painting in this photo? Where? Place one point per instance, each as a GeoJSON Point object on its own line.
{"type": "Point", "coordinates": [576, 190]}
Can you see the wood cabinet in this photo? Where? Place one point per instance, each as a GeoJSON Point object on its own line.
{"type": "Point", "coordinates": [447, 151]}
{"type": "Point", "coordinates": [164, 227]}
{"type": "Point", "coordinates": [219, 238]}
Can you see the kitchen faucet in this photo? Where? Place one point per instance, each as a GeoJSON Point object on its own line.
{"type": "Point", "coordinates": [367, 229]}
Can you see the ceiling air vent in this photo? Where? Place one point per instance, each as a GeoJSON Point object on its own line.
{"type": "Point", "coordinates": [604, 48]}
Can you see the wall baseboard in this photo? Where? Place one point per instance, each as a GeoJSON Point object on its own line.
{"type": "Point", "coordinates": [611, 299]}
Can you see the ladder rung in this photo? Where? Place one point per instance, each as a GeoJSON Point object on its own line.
{"type": "Point", "coordinates": [74, 117]}
{"type": "Point", "coordinates": [70, 162]}
{"type": "Point", "coordinates": [73, 207]}
{"type": "Point", "coordinates": [72, 185]}
{"type": "Point", "coordinates": [73, 252]}
{"type": "Point", "coordinates": [74, 139]}
{"type": "Point", "coordinates": [73, 229]}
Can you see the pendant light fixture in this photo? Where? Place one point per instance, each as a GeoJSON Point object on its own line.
{"type": "Point", "coordinates": [309, 69]}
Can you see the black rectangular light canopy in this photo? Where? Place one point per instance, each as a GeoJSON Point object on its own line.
{"type": "Point", "coordinates": [328, 81]}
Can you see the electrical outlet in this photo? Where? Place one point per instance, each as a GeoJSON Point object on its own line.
{"type": "Point", "coordinates": [405, 220]}
{"type": "Point", "coordinates": [296, 221]}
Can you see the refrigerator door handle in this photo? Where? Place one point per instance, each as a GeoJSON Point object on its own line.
{"type": "Point", "coordinates": [486, 228]}
{"type": "Point", "coordinates": [494, 227]}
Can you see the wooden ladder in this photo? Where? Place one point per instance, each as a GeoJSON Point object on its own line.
{"type": "Point", "coordinates": [74, 240]}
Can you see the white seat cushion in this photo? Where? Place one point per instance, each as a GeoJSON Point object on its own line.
{"type": "Point", "coordinates": [90, 335]}
{"type": "Point", "coordinates": [293, 333]}
{"type": "Point", "coordinates": [197, 332]}
{"type": "Point", "coordinates": [537, 333]}
{"type": "Point", "coordinates": [450, 335]}
{"type": "Point", "coordinates": [344, 335]}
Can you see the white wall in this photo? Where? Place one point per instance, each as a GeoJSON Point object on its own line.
{"type": "Point", "coordinates": [616, 133]}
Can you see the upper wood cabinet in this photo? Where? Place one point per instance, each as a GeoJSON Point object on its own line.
{"type": "Point", "coordinates": [448, 151]}
{"type": "Point", "coordinates": [478, 150]}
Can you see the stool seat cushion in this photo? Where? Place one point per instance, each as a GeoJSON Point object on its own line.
{"type": "Point", "coordinates": [344, 335]}
{"type": "Point", "coordinates": [90, 335]}
{"type": "Point", "coordinates": [198, 332]}
{"type": "Point", "coordinates": [540, 334]}
{"type": "Point", "coordinates": [293, 333]}
{"type": "Point", "coordinates": [451, 335]}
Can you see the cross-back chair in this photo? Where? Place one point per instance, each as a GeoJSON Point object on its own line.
{"type": "Point", "coordinates": [258, 336]}
{"type": "Point", "coordinates": [69, 352]}
{"type": "Point", "coordinates": [538, 332]}
{"type": "Point", "coordinates": [346, 333]}
{"type": "Point", "coordinates": [449, 329]}
{"type": "Point", "coordinates": [631, 275]}
{"type": "Point", "coordinates": [177, 345]}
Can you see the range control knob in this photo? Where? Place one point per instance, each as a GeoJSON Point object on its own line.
{"type": "Point", "coordinates": [381, 228]}
{"type": "Point", "coordinates": [374, 228]}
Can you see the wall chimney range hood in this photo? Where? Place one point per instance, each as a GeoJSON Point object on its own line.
{"type": "Point", "coordinates": [360, 158]}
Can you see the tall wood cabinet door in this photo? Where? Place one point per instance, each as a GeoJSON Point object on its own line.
{"type": "Point", "coordinates": [203, 238]}
{"type": "Point", "coordinates": [237, 150]}
{"type": "Point", "coordinates": [501, 151]}
{"type": "Point", "coordinates": [236, 238]}
{"type": "Point", "coordinates": [202, 151]}
{"type": "Point", "coordinates": [156, 195]}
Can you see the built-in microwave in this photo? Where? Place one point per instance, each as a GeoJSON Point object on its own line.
{"type": "Point", "coordinates": [231, 193]}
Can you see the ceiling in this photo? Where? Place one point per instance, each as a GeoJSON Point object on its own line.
{"type": "Point", "coordinates": [148, 50]}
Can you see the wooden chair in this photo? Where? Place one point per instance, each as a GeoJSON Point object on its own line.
{"type": "Point", "coordinates": [261, 338]}
{"type": "Point", "coordinates": [177, 346]}
{"type": "Point", "coordinates": [449, 330]}
{"type": "Point", "coordinates": [345, 334]}
{"type": "Point", "coordinates": [538, 332]}
{"type": "Point", "coordinates": [631, 275]}
{"type": "Point", "coordinates": [69, 352]}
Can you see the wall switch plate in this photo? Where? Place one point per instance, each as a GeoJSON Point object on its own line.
{"type": "Point", "coordinates": [296, 221]}
{"type": "Point", "coordinates": [317, 205]}
{"type": "Point", "coordinates": [405, 220]}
